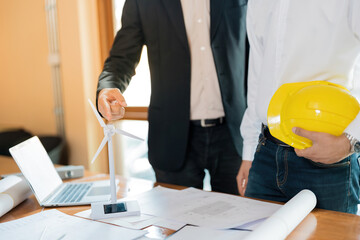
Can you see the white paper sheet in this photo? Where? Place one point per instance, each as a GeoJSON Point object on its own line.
{"type": "Point", "coordinates": [201, 208]}
{"type": "Point", "coordinates": [53, 224]}
{"type": "Point", "coordinates": [158, 201]}
{"type": "Point", "coordinates": [13, 190]}
{"type": "Point", "coordinates": [133, 222]}
{"type": "Point", "coordinates": [137, 222]}
{"type": "Point", "coordinates": [199, 233]}
{"type": "Point", "coordinates": [282, 222]}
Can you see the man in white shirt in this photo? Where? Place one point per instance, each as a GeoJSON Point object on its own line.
{"type": "Point", "coordinates": [298, 41]}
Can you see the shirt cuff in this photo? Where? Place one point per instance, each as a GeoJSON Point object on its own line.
{"type": "Point", "coordinates": [354, 128]}
{"type": "Point", "coordinates": [249, 152]}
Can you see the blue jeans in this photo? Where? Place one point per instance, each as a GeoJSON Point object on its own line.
{"type": "Point", "coordinates": [278, 174]}
{"type": "Point", "coordinates": [209, 148]}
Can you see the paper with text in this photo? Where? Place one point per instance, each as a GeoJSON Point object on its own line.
{"type": "Point", "coordinates": [201, 208]}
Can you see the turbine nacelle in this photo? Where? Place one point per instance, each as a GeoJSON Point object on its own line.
{"type": "Point", "coordinates": [109, 130]}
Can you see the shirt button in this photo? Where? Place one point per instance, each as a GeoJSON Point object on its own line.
{"type": "Point", "coordinates": [202, 48]}
{"type": "Point", "coordinates": [199, 20]}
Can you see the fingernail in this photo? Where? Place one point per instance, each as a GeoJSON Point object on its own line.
{"type": "Point", "coordinates": [294, 129]}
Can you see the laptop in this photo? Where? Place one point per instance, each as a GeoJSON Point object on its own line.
{"type": "Point", "coordinates": [48, 188]}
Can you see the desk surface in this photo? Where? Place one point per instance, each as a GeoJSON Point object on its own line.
{"type": "Point", "coordinates": [329, 224]}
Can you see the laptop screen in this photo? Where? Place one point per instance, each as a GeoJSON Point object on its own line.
{"type": "Point", "coordinates": [35, 164]}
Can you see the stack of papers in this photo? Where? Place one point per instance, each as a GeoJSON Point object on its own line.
{"type": "Point", "coordinates": [173, 209]}
{"type": "Point", "coordinates": [215, 215]}
{"type": "Point", "coordinates": [205, 209]}
{"type": "Point", "coordinates": [190, 212]}
{"type": "Point", "coordinates": [53, 224]}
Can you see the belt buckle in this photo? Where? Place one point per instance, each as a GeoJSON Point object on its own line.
{"type": "Point", "coordinates": [203, 124]}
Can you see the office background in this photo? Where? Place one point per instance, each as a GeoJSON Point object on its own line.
{"type": "Point", "coordinates": [27, 98]}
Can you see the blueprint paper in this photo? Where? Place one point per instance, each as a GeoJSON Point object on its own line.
{"type": "Point", "coordinates": [13, 190]}
{"type": "Point", "coordinates": [205, 209]}
{"type": "Point", "coordinates": [283, 221]}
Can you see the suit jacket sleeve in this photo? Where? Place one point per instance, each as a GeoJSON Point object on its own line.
{"type": "Point", "coordinates": [125, 53]}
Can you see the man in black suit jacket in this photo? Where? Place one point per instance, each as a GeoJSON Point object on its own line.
{"type": "Point", "coordinates": [182, 145]}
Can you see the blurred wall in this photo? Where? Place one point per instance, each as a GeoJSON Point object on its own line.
{"type": "Point", "coordinates": [26, 98]}
{"type": "Point", "coordinates": [26, 89]}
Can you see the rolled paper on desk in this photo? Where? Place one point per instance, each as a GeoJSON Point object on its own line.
{"type": "Point", "coordinates": [13, 190]}
{"type": "Point", "coordinates": [283, 221]}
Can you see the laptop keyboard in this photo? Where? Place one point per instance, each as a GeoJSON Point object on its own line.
{"type": "Point", "coordinates": [72, 193]}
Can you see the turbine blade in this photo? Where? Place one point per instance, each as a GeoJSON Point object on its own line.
{"type": "Point", "coordinates": [128, 134]}
{"type": "Point", "coordinates": [101, 121]}
{"type": "Point", "coordinates": [102, 144]}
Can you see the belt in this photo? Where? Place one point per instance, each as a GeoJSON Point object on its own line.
{"type": "Point", "coordinates": [208, 122]}
{"type": "Point", "coordinates": [265, 131]}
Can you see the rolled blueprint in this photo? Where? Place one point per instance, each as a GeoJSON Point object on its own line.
{"type": "Point", "coordinates": [284, 220]}
{"type": "Point", "coordinates": [13, 190]}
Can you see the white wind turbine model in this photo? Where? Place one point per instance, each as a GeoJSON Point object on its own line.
{"type": "Point", "coordinates": [114, 209]}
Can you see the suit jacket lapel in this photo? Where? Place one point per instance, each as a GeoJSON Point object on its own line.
{"type": "Point", "coordinates": [216, 10]}
{"type": "Point", "coordinates": [175, 13]}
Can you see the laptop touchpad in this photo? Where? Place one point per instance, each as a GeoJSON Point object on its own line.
{"type": "Point", "coordinates": [96, 191]}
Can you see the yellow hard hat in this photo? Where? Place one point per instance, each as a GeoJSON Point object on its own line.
{"type": "Point", "coordinates": [318, 106]}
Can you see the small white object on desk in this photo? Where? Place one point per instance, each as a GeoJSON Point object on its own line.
{"type": "Point", "coordinates": [70, 172]}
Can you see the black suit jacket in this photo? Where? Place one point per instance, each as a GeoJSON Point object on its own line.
{"type": "Point", "coordinates": [159, 25]}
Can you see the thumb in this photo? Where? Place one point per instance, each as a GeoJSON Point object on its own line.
{"type": "Point", "coordinates": [304, 133]}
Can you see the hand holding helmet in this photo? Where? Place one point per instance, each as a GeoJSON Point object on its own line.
{"type": "Point", "coordinates": [311, 117]}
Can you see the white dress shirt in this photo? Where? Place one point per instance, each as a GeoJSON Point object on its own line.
{"type": "Point", "coordinates": [205, 96]}
{"type": "Point", "coordinates": [297, 41]}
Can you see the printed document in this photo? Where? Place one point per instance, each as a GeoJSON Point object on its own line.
{"type": "Point", "coordinates": [205, 209]}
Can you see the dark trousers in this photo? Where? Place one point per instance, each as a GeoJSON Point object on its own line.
{"type": "Point", "coordinates": [208, 148]}
{"type": "Point", "coordinates": [278, 174]}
